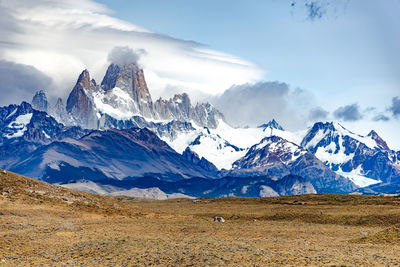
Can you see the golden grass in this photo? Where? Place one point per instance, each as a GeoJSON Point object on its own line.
{"type": "Point", "coordinates": [55, 226]}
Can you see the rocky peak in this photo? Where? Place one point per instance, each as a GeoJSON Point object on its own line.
{"type": "Point", "coordinates": [110, 78]}
{"type": "Point", "coordinates": [124, 94]}
{"type": "Point", "coordinates": [84, 80]}
{"type": "Point", "coordinates": [130, 78]}
{"type": "Point", "coordinates": [271, 125]}
{"type": "Point", "coordinates": [79, 104]}
{"type": "Point", "coordinates": [205, 114]}
{"type": "Point", "coordinates": [379, 141]}
{"type": "Point", "coordinates": [181, 98]}
{"type": "Point", "coordinates": [39, 101]}
{"type": "Point", "coordinates": [25, 123]}
{"type": "Point", "coordinates": [183, 101]}
{"type": "Point", "coordinates": [59, 112]}
{"type": "Point", "coordinates": [276, 148]}
{"type": "Point", "coordinates": [59, 103]}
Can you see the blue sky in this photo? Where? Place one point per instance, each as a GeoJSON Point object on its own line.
{"type": "Point", "coordinates": [351, 50]}
{"type": "Point", "coordinates": [347, 57]}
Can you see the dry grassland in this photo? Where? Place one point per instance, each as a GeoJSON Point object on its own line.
{"type": "Point", "coordinates": [41, 224]}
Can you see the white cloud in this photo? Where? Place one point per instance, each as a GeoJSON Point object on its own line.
{"type": "Point", "coordinates": [255, 104]}
{"type": "Point", "coordinates": [62, 37]}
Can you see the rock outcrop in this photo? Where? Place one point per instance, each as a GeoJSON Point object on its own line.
{"type": "Point", "coordinates": [39, 101]}
{"type": "Point", "coordinates": [123, 94]}
{"type": "Point", "coordinates": [80, 104]}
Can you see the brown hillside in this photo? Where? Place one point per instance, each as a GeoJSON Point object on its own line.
{"type": "Point", "coordinates": [43, 224]}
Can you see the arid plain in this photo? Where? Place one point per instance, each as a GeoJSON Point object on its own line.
{"type": "Point", "coordinates": [42, 224]}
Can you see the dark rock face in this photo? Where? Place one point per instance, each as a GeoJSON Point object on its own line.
{"type": "Point", "coordinates": [59, 111]}
{"type": "Point", "coordinates": [110, 79]}
{"type": "Point", "coordinates": [180, 108]}
{"type": "Point", "coordinates": [80, 105]}
{"type": "Point", "coordinates": [271, 125]}
{"type": "Point", "coordinates": [82, 102]}
{"type": "Point", "coordinates": [130, 78]}
{"type": "Point", "coordinates": [115, 154]}
{"type": "Point", "coordinates": [39, 101]}
{"type": "Point", "coordinates": [202, 162]}
{"type": "Point", "coordinates": [379, 141]}
{"type": "Point", "coordinates": [275, 156]}
{"type": "Point", "coordinates": [349, 152]}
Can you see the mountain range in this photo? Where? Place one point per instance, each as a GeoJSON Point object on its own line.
{"type": "Point", "coordinates": [111, 137]}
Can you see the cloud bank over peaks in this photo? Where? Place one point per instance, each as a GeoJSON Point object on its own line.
{"type": "Point", "coordinates": [60, 38]}
{"type": "Point", "coordinates": [254, 104]}
{"type": "Point", "coordinates": [318, 114]}
{"type": "Point", "coordinates": [18, 81]}
{"type": "Point", "coordinates": [123, 55]}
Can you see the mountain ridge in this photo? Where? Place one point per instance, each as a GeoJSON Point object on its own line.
{"type": "Point", "coordinates": [124, 94]}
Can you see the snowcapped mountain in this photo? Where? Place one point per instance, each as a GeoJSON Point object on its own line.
{"type": "Point", "coordinates": [224, 145]}
{"type": "Point", "coordinates": [24, 129]}
{"type": "Point", "coordinates": [116, 132]}
{"type": "Point", "coordinates": [277, 157]}
{"type": "Point", "coordinates": [35, 144]}
{"type": "Point", "coordinates": [109, 154]}
{"type": "Point", "coordinates": [268, 152]}
{"type": "Point", "coordinates": [272, 125]}
{"type": "Point", "coordinates": [24, 123]}
{"type": "Point", "coordinates": [216, 149]}
{"type": "Point", "coordinates": [365, 160]}
{"type": "Point", "coordinates": [123, 95]}
{"type": "Point", "coordinates": [273, 128]}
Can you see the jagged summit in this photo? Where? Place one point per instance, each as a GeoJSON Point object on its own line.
{"type": "Point", "coordinates": [379, 141]}
{"type": "Point", "coordinates": [273, 124]}
{"type": "Point", "coordinates": [130, 79]}
{"type": "Point", "coordinates": [39, 101]}
{"type": "Point", "coordinates": [59, 112]}
{"type": "Point", "coordinates": [276, 156]}
{"type": "Point", "coordinates": [80, 104]}
{"type": "Point", "coordinates": [364, 159]}
{"type": "Point", "coordinates": [123, 94]}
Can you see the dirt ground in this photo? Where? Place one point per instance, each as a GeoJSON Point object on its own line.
{"type": "Point", "coordinates": [41, 224]}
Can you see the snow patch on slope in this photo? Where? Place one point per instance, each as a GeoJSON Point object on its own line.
{"type": "Point", "coordinates": [12, 113]}
{"type": "Point", "coordinates": [215, 144]}
{"type": "Point", "coordinates": [217, 150]}
{"type": "Point", "coordinates": [356, 177]}
{"type": "Point", "coordinates": [182, 141]}
{"type": "Point", "coordinates": [19, 126]}
{"type": "Point", "coordinates": [116, 103]}
{"type": "Point", "coordinates": [367, 140]}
